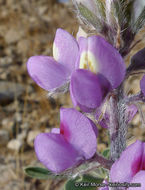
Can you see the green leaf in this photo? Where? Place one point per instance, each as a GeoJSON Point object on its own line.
{"type": "Point", "coordinates": [138, 7]}
{"type": "Point", "coordinates": [118, 9]}
{"type": "Point", "coordinates": [86, 182]}
{"type": "Point", "coordinates": [140, 21]}
{"type": "Point", "coordinates": [101, 8]}
{"type": "Point", "coordinates": [38, 173]}
{"type": "Point", "coordinates": [90, 17]}
{"type": "Point", "coordinates": [123, 13]}
{"type": "Point", "coordinates": [106, 153]}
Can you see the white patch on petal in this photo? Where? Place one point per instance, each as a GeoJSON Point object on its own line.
{"type": "Point", "coordinates": [88, 61]}
{"type": "Point", "coordinates": [55, 52]}
{"type": "Point", "coordinates": [92, 62]}
{"type": "Point", "coordinates": [108, 10]}
{"type": "Point", "coordinates": [84, 61]}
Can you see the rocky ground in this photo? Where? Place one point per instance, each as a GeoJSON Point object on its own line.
{"type": "Point", "coordinates": [27, 28]}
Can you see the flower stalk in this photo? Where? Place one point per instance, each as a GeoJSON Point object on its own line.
{"type": "Point", "coordinates": [95, 162]}
{"type": "Point", "coordinates": [118, 126]}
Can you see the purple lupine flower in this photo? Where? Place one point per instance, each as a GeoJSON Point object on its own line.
{"type": "Point", "coordinates": [97, 55]}
{"type": "Point", "coordinates": [142, 85]}
{"type": "Point", "coordinates": [102, 59]}
{"type": "Point", "coordinates": [68, 146]}
{"type": "Point", "coordinates": [53, 73]}
{"type": "Point", "coordinates": [130, 167]}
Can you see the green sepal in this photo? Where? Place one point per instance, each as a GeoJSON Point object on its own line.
{"type": "Point", "coordinates": [87, 15]}
{"type": "Point", "coordinates": [140, 22]}
{"type": "Point", "coordinates": [40, 173]}
{"type": "Point", "coordinates": [106, 153]}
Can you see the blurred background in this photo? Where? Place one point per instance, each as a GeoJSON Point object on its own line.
{"type": "Point", "coordinates": [27, 27]}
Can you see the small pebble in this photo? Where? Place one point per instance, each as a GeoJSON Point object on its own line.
{"type": "Point", "coordinates": [4, 137]}
{"type": "Point", "coordinates": [15, 144]}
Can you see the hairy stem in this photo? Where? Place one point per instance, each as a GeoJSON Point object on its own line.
{"type": "Point", "coordinates": [118, 127]}
{"type": "Point", "coordinates": [102, 161]}
{"type": "Point", "coordinates": [92, 164]}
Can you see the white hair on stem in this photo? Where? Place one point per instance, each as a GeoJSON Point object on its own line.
{"type": "Point", "coordinates": [108, 11]}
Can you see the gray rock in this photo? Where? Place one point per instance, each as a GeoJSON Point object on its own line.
{"type": "Point", "coordinates": [5, 173]}
{"type": "Point", "coordinates": [42, 10]}
{"type": "Point", "coordinates": [9, 179]}
{"type": "Point", "coordinates": [6, 62]}
{"type": "Point", "coordinates": [15, 144]}
{"type": "Point", "coordinates": [16, 185]}
{"type": "Point", "coordinates": [13, 35]}
{"type": "Point", "coordinates": [24, 126]}
{"type": "Point", "coordinates": [18, 117]}
{"type": "Point", "coordinates": [4, 137]}
{"type": "Point", "coordinates": [23, 46]}
{"type": "Point", "coordinates": [31, 136]}
{"type": "Point", "coordinates": [8, 125]}
{"type": "Point", "coordinates": [10, 90]}
{"type": "Point", "coordinates": [22, 135]}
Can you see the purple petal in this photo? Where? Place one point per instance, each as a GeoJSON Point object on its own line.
{"type": "Point", "coordinates": [110, 62]}
{"type": "Point", "coordinates": [142, 85]}
{"type": "Point", "coordinates": [72, 97]}
{"type": "Point", "coordinates": [104, 122]}
{"type": "Point", "coordinates": [84, 108]}
{"type": "Point", "coordinates": [94, 127]}
{"type": "Point", "coordinates": [139, 178]}
{"type": "Point", "coordinates": [46, 72]}
{"type": "Point", "coordinates": [142, 167]}
{"type": "Point", "coordinates": [128, 164]}
{"type": "Point", "coordinates": [65, 49]}
{"type": "Point", "coordinates": [131, 112]}
{"type": "Point", "coordinates": [88, 89]}
{"type": "Point", "coordinates": [102, 57]}
{"type": "Point", "coordinates": [55, 152]}
{"type": "Point", "coordinates": [78, 131]}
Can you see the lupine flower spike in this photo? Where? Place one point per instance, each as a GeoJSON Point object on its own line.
{"type": "Point", "coordinates": [106, 68]}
